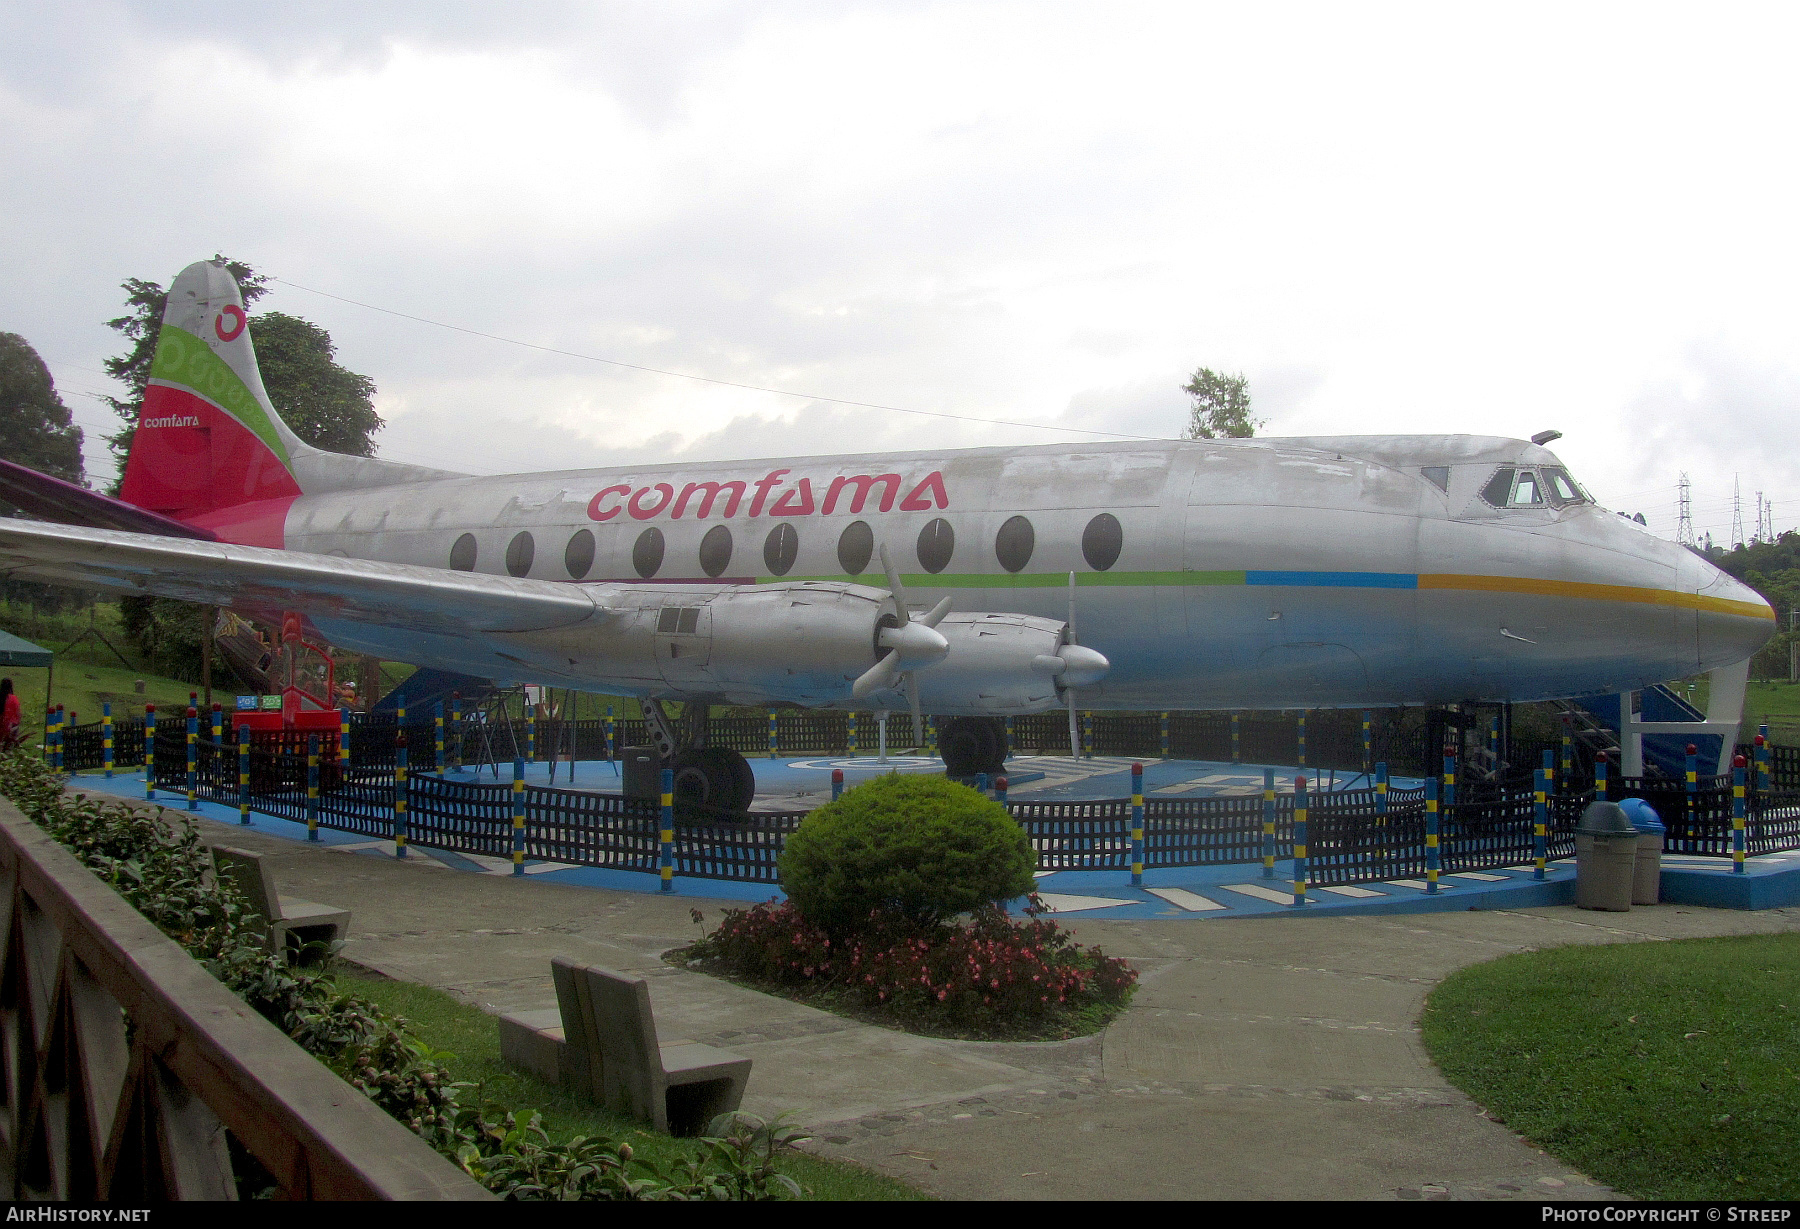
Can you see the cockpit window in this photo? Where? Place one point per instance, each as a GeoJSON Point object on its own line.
{"type": "Point", "coordinates": [1498, 491]}
{"type": "Point", "coordinates": [1438, 476]}
{"type": "Point", "coordinates": [1562, 489]}
{"type": "Point", "coordinates": [1525, 491]}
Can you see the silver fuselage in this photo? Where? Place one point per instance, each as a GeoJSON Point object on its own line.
{"type": "Point", "coordinates": [1271, 573]}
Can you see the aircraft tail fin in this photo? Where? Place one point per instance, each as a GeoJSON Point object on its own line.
{"type": "Point", "coordinates": [209, 449]}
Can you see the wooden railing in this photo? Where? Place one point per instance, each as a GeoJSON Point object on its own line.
{"type": "Point", "coordinates": [123, 1064]}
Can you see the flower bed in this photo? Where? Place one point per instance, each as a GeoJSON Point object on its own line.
{"type": "Point", "coordinates": [987, 976]}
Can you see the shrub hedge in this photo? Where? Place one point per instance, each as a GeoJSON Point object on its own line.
{"type": "Point", "coordinates": [158, 863]}
{"type": "Point", "coordinates": [915, 850]}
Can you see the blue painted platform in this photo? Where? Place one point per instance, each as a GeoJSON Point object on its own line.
{"type": "Point", "coordinates": [1201, 893]}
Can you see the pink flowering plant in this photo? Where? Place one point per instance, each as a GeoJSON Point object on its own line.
{"type": "Point", "coordinates": [897, 908]}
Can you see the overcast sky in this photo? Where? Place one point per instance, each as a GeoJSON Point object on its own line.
{"type": "Point", "coordinates": [1488, 219]}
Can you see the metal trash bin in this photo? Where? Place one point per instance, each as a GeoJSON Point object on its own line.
{"type": "Point", "coordinates": [642, 773]}
{"type": "Point", "coordinates": [1605, 858]}
{"type": "Point", "coordinates": [1646, 883]}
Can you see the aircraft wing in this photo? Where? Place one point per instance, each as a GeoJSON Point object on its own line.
{"type": "Point", "coordinates": [327, 588]}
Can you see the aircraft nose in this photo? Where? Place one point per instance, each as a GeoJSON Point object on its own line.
{"type": "Point", "coordinates": [1732, 621]}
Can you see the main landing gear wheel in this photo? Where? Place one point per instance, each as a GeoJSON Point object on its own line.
{"type": "Point", "coordinates": [713, 783]}
{"type": "Point", "coordinates": [972, 745]}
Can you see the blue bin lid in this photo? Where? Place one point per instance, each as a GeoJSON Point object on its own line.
{"type": "Point", "coordinates": [1642, 815]}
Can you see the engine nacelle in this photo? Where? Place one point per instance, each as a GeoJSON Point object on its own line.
{"type": "Point", "coordinates": [997, 664]}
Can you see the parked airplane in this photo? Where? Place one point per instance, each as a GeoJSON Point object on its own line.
{"type": "Point", "coordinates": [1266, 573]}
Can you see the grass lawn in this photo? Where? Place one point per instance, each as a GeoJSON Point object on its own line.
{"type": "Point", "coordinates": [1665, 1070]}
{"type": "Point", "coordinates": [473, 1037]}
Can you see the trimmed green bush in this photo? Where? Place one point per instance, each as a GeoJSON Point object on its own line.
{"type": "Point", "coordinates": [915, 850]}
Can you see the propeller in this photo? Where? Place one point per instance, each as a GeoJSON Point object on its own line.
{"type": "Point", "coordinates": [1073, 666]}
{"type": "Point", "coordinates": [911, 644]}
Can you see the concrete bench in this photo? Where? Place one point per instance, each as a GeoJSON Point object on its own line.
{"type": "Point", "coordinates": [293, 925]}
{"type": "Point", "coordinates": [601, 1041]}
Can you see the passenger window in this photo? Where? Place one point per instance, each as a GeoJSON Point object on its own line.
{"type": "Point", "coordinates": [462, 555]}
{"type": "Point", "coordinates": [937, 542]}
{"type": "Point", "coordinates": [1438, 476]}
{"type": "Point", "coordinates": [781, 548]}
{"type": "Point", "coordinates": [578, 555]}
{"type": "Point", "coordinates": [1525, 495]}
{"type": "Point", "coordinates": [647, 552]}
{"type": "Point", "coordinates": [1102, 541]}
{"type": "Point", "coordinates": [715, 551]}
{"type": "Point", "coordinates": [1013, 544]}
{"type": "Point", "coordinates": [519, 553]}
{"type": "Point", "coordinates": [855, 547]}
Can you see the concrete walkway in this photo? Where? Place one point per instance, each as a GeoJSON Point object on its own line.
{"type": "Point", "coordinates": [1267, 1058]}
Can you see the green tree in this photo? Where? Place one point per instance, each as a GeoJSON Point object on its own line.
{"type": "Point", "coordinates": [37, 432]}
{"type": "Point", "coordinates": [327, 406]}
{"type": "Point", "coordinates": [1221, 406]}
{"type": "Point", "coordinates": [35, 428]}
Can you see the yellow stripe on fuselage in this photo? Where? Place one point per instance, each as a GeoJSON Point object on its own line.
{"type": "Point", "coordinates": [1597, 593]}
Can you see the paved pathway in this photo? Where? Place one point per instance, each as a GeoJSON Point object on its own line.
{"type": "Point", "coordinates": [1274, 1057]}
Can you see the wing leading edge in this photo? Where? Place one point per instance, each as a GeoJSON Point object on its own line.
{"type": "Point", "coordinates": [327, 588]}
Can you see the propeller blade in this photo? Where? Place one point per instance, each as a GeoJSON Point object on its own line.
{"type": "Point", "coordinates": [935, 615]}
{"type": "Point", "coordinates": [878, 677]}
{"type": "Point", "coordinates": [894, 586]}
{"type": "Point", "coordinates": [1072, 639]}
{"type": "Point", "coordinates": [1074, 726]}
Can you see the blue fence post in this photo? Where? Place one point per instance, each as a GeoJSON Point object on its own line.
{"type": "Point", "coordinates": [610, 743]}
{"type": "Point", "coordinates": [1300, 866]}
{"type": "Point", "coordinates": [149, 753]}
{"type": "Point", "coordinates": [837, 783]}
{"type": "Point", "coordinates": [981, 782]}
{"type": "Point", "coordinates": [344, 744]}
{"type": "Point", "coordinates": [1431, 835]}
{"type": "Point", "coordinates": [667, 863]}
{"type": "Point", "coordinates": [852, 739]}
{"type": "Point", "coordinates": [1268, 821]}
{"type": "Point", "coordinates": [62, 723]}
{"type": "Point", "coordinates": [1540, 823]}
{"type": "Point", "coordinates": [531, 733]}
{"type": "Point", "coordinates": [1762, 763]}
{"type": "Point", "coordinates": [518, 815]}
{"type": "Point", "coordinates": [243, 758]}
{"type": "Point", "coordinates": [774, 725]}
{"type": "Point", "coordinates": [1137, 825]}
{"type": "Point", "coordinates": [193, 753]}
{"type": "Point", "coordinates": [1300, 738]}
{"type": "Point", "coordinates": [1368, 742]}
{"type": "Point", "coordinates": [312, 784]}
{"type": "Point", "coordinates": [931, 748]}
{"type": "Point", "coordinates": [1602, 787]}
{"type": "Point", "coordinates": [1737, 815]}
{"type": "Point", "coordinates": [399, 791]}
{"type": "Point", "coordinates": [106, 737]}
{"type": "Point", "coordinates": [1087, 735]}
{"type": "Point", "coordinates": [437, 723]}
{"type": "Point", "coordinates": [1165, 736]}
{"type": "Point", "coordinates": [218, 724]}
{"type": "Point", "coordinates": [49, 736]}
{"type": "Point", "coordinates": [1568, 750]}
{"type": "Point", "coordinates": [1381, 809]}
{"type": "Point", "coordinates": [1236, 758]}
{"type": "Point", "coordinates": [1693, 788]}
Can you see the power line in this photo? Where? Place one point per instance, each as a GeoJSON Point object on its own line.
{"type": "Point", "coordinates": [686, 375]}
